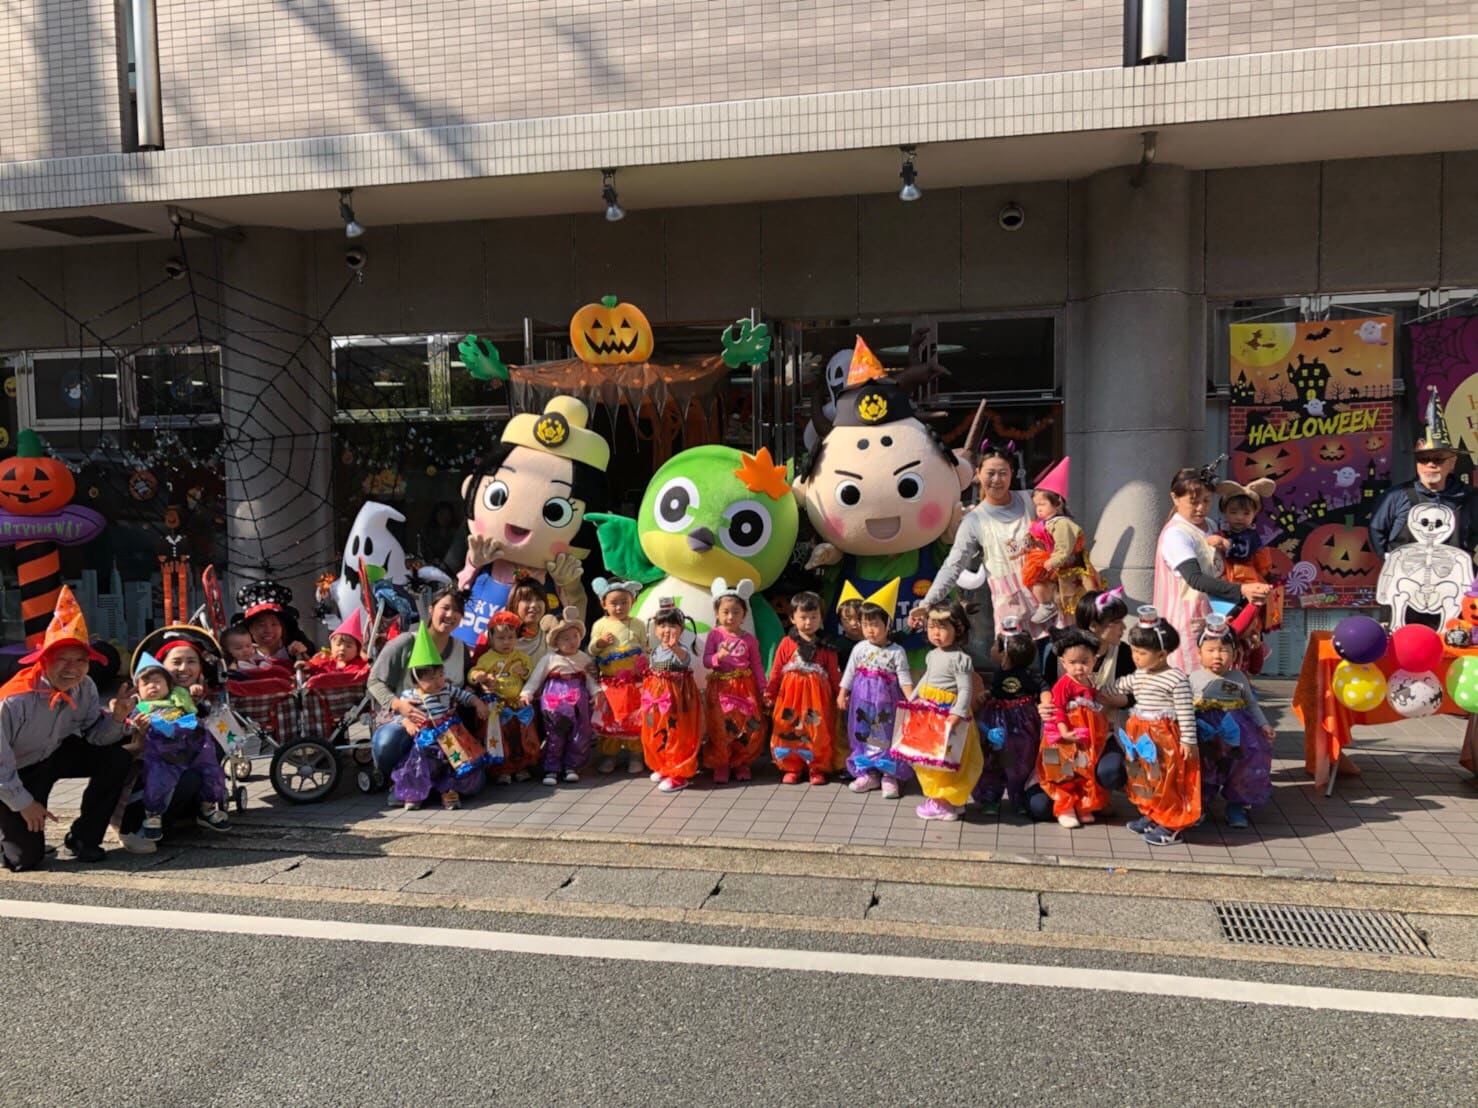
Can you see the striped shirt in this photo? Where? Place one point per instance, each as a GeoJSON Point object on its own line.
{"type": "Point", "coordinates": [1165, 694]}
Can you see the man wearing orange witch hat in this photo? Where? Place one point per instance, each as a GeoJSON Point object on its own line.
{"type": "Point", "coordinates": [52, 725]}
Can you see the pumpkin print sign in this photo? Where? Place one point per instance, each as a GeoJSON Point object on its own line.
{"type": "Point", "coordinates": [1311, 410]}
{"type": "Point", "coordinates": [611, 333]}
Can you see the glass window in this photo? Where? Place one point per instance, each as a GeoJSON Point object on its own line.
{"type": "Point", "coordinates": [78, 388]}
{"type": "Point", "coordinates": [381, 373]}
{"type": "Point", "coordinates": [181, 383]}
{"type": "Point", "coordinates": [998, 355]}
{"type": "Point", "coordinates": [465, 390]}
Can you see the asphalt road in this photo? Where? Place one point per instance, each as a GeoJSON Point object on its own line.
{"type": "Point", "coordinates": [104, 1015]}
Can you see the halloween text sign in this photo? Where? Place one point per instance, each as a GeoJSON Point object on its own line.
{"type": "Point", "coordinates": [1311, 409]}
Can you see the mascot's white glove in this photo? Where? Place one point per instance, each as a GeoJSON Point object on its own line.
{"type": "Point", "coordinates": [565, 571]}
{"type": "Point", "coordinates": [824, 554]}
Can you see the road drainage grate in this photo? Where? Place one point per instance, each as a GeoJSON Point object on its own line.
{"type": "Point", "coordinates": [1345, 929]}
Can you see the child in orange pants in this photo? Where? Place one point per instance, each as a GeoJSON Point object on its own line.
{"type": "Point", "coordinates": [1074, 737]}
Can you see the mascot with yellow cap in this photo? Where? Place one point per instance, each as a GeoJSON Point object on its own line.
{"type": "Point", "coordinates": [526, 503]}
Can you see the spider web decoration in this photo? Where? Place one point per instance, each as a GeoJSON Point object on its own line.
{"type": "Point", "coordinates": [263, 411]}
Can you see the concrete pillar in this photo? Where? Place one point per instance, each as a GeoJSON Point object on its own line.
{"type": "Point", "coordinates": [277, 409]}
{"type": "Point", "coordinates": [1135, 383]}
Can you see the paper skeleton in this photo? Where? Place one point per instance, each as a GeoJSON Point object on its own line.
{"type": "Point", "coordinates": [1426, 575]}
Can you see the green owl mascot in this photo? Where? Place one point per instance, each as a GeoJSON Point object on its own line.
{"type": "Point", "coordinates": [710, 512]}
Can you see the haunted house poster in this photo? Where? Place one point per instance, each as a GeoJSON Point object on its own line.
{"type": "Point", "coordinates": [1311, 409]}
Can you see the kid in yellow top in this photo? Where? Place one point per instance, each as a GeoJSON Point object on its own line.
{"type": "Point", "coordinates": [619, 645]}
{"type": "Point", "coordinates": [500, 672]}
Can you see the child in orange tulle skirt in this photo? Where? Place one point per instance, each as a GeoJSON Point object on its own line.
{"type": "Point", "coordinates": [935, 731]}
{"type": "Point", "coordinates": [1161, 757]}
{"type": "Point", "coordinates": [500, 672]}
{"type": "Point", "coordinates": [1073, 739]}
{"type": "Point", "coordinates": [801, 696]}
{"type": "Point", "coordinates": [618, 643]}
{"type": "Point", "coordinates": [672, 710]}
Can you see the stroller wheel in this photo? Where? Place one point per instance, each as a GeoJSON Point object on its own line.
{"type": "Point", "coordinates": [369, 780]}
{"type": "Point", "coordinates": [239, 767]}
{"type": "Point", "coordinates": [240, 798]}
{"type": "Point", "coordinates": [305, 770]}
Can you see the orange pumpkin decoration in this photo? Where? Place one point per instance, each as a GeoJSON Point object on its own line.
{"type": "Point", "coordinates": [1342, 554]}
{"type": "Point", "coordinates": [611, 333]}
{"type": "Point", "coordinates": [1277, 461]}
{"type": "Point", "coordinates": [1332, 450]}
{"type": "Point", "coordinates": [31, 483]}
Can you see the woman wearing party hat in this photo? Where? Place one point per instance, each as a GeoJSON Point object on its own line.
{"type": "Point", "coordinates": [53, 725]}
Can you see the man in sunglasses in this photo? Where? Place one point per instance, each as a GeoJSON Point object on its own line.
{"type": "Point", "coordinates": [1435, 482]}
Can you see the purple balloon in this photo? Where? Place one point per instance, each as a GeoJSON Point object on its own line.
{"type": "Point", "coordinates": [1359, 640]}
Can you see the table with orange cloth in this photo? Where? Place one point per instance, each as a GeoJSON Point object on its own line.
{"type": "Point", "coordinates": [1327, 722]}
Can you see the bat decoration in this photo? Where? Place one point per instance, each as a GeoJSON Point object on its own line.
{"type": "Point", "coordinates": [1315, 336]}
{"type": "Point", "coordinates": [1337, 350]}
{"type": "Point", "coordinates": [1355, 372]}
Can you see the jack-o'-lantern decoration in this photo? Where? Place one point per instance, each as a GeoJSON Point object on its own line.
{"type": "Point", "coordinates": [1343, 554]}
{"type": "Point", "coordinates": [1281, 564]}
{"type": "Point", "coordinates": [1277, 461]}
{"type": "Point", "coordinates": [172, 518]}
{"type": "Point", "coordinates": [1332, 450]}
{"type": "Point", "coordinates": [611, 333]}
{"type": "Point", "coordinates": [1374, 444]}
{"type": "Point", "coordinates": [33, 483]}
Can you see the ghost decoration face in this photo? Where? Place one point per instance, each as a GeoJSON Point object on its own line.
{"type": "Point", "coordinates": [1431, 524]}
{"type": "Point", "coordinates": [834, 377]}
{"type": "Point", "coordinates": [882, 485]}
{"type": "Point", "coordinates": [369, 538]}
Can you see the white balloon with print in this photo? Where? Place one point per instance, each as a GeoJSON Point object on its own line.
{"type": "Point", "coordinates": [1414, 695]}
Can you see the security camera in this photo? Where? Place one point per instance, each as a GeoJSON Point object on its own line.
{"type": "Point", "coordinates": [355, 257]}
{"type": "Point", "coordinates": [174, 268]}
{"type": "Point", "coordinates": [1011, 217]}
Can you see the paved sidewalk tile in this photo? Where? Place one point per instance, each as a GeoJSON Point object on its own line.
{"type": "Point", "coordinates": [513, 880]}
{"type": "Point", "coordinates": [661, 888]}
{"type": "Point", "coordinates": [959, 907]}
{"type": "Point", "coordinates": [792, 896]}
{"type": "Point", "coordinates": [1131, 917]}
{"type": "Point", "coordinates": [354, 872]}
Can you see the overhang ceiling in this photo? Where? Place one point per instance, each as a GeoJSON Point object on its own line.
{"type": "Point", "coordinates": [1268, 140]}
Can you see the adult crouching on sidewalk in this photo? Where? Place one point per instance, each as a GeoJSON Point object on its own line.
{"type": "Point", "coordinates": [52, 725]}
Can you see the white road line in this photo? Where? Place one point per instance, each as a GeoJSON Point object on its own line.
{"type": "Point", "coordinates": [738, 957]}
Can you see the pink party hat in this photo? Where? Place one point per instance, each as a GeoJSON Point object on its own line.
{"type": "Point", "coordinates": [1054, 480]}
{"type": "Point", "coordinates": [353, 626]}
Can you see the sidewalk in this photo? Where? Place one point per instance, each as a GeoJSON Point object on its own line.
{"type": "Point", "coordinates": [1413, 811]}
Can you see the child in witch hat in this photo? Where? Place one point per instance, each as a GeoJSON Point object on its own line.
{"type": "Point", "coordinates": [53, 725]}
{"type": "Point", "coordinates": [1055, 566]}
{"type": "Point", "coordinates": [444, 757]}
{"type": "Point", "coordinates": [173, 741]}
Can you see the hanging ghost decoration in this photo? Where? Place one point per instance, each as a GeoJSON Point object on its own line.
{"type": "Point", "coordinates": [371, 539]}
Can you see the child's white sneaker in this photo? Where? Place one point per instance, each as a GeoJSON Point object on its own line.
{"type": "Point", "coordinates": [550, 779]}
{"type": "Point", "coordinates": [1068, 820]}
{"type": "Point", "coordinates": [571, 777]}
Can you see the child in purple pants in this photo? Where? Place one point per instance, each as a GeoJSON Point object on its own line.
{"type": "Point", "coordinates": [1009, 724]}
{"type": "Point", "coordinates": [565, 685]}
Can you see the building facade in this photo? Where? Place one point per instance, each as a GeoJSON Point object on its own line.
{"type": "Point", "coordinates": [1106, 185]}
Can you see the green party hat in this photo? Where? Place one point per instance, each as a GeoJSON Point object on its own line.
{"type": "Point", "coordinates": [424, 652]}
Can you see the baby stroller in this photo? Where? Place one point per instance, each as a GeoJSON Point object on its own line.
{"type": "Point", "coordinates": [304, 724]}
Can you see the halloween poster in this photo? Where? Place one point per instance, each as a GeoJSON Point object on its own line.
{"type": "Point", "coordinates": [1444, 353]}
{"type": "Point", "coordinates": [1311, 409]}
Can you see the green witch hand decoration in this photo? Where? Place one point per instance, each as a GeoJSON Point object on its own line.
{"type": "Point", "coordinates": [746, 343]}
{"type": "Point", "coordinates": [482, 359]}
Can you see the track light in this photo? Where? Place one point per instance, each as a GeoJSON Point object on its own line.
{"type": "Point", "coordinates": [352, 227]}
{"type": "Point", "coordinates": [614, 211]}
{"type": "Point", "coordinates": [908, 174]}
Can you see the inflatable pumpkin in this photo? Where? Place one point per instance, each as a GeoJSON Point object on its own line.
{"type": "Point", "coordinates": [610, 333]}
